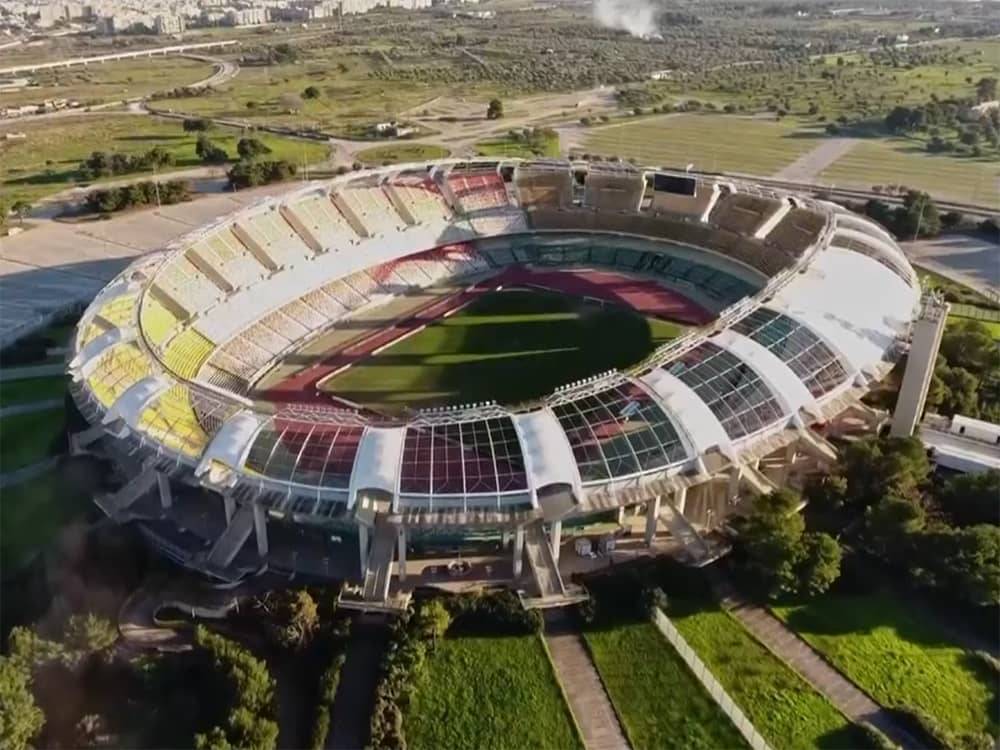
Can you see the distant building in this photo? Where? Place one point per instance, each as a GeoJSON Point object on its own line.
{"type": "Point", "coordinates": [246, 17]}
{"type": "Point", "coordinates": [168, 25]}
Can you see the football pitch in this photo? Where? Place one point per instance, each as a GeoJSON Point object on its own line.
{"type": "Point", "coordinates": [509, 347]}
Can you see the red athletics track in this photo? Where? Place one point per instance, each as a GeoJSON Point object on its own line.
{"type": "Point", "coordinates": [646, 297]}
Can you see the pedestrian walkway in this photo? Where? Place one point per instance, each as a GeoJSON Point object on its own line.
{"type": "Point", "coordinates": [588, 699]}
{"type": "Point", "coordinates": [800, 656]}
{"type": "Point", "coordinates": [31, 408]}
{"type": "Point", "coordinates": [350, 717]}
{"type": "Point", "coordinates": [32, 371]}
{"type": "Point", "coordinates": [26, 473]}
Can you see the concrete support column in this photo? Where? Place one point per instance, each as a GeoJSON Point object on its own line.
{"type": "Point", "coordinates": [680, 499]}
{"type": "Point", "coordinates": [621, 515]}
{"type": "Point", "coordinates": [652, 515]}
{"type": "Point", "coordinates": [518, 551]}
{"type": "Point", "coordinates": [401, 554]}
{"type": "Point", "coordinates": [363, 548]}
{"type": "Point", "coordinates": [735, 475]}
{"type": "Point", "coordinates": [166, 494]}
{"type": "Point", "coordinates": [504, 538]}
{"type": "Point", "coordinates": [260, 529]}
{"type": "Point", "coordinates": [229, 505]}
{"type": "Point", "coordinates": [556, 539]}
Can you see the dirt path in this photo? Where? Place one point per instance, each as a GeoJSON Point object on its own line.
{"type": "Point", "coordinates": [808, 166]}
{"type": "Point", "coordinates": [350, 719]}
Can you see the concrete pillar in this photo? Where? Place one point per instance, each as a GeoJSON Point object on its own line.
{"type": "Point", "coordinates": [680, 499]}
{"type": "Point", "coordinates": [363, 548]}
{"type": "Point", "coordinates": [621, 515]}
{"type": "Point", "coordinates": [556, 539]}
{"type": "Point", "coordinates": [652, 515]}
{"type": "Point", "coordinates": [260, 528]}
{"type": "Point", "coordinates": [229, 505]}
{"type": "Point", "coordinates": [735, 475]}
{"type": "Point", "coordinates": [401, 554]}
{"type": "Point", "coordinates": [166, 494]}
{"type": "Point", "coordinates": [504, 538]}
{"type": "Point", "coordinates": [518, 551]}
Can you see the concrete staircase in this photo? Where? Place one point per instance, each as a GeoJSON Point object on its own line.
{"type": "Point", "coordinates": [379, 569]}
{"type": "Point", "coordinates": [543, 565]}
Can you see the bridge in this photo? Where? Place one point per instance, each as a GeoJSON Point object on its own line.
{"type": "Point", "coordinates": [176, 49]}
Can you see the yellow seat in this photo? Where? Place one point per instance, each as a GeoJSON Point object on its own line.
{"type": "Point", "coordinates": [171, 421]}
{"type": "Point", "coordinates": [119, 368]}
{"type": "Point", "coordinates": [187, 352]}
{"type": "Point", "coordinates": [156, 320]}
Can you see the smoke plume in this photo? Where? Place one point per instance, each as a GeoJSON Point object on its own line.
{"type": "Point", "coordinates": [637, 17]}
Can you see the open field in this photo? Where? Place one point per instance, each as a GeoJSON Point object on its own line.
{"type": "Point", "coordinates": [660, 702]}
{"type": "Point", "coordinates": [396, 153]}
{"type": "Point", "coordinates": [710, 142]}
{"type": "Point", "coordinates": [899, 657]}
{"type": "Point", "coordinates": [33, 514]}
{"type": "Point", "coordinates": [509, 346]}
{"type": "Point", "coordinates": [28, 438]}
{"type": "Point", "coordinates": [46, 161]}
{"type": "Point", "coordinates": [519, 148]}
{"type": "Point", "coordinates": [481, 693]}
{"type": "Point", "coordinates": [786, 710]}
{"type": "Point", "coordinates": [112, 81]}
{"type": "Point", "coordinates": [36, 389]}
{"type": "Point", "coordinates": [902, 161]}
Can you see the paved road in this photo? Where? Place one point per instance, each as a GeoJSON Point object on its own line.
{"type": "Point", "coordinates": [800, 656]}
{"type": "Point", "coordinates": [972, 260]}
{"type": "Point", "coordinates": [27, 473]}
{"type": "Point", "coordinates": [16, 409]}
{"type": "Point", "coordinates": [34, 371]}
{"type": "Point", "coordinates": [808, 166]}
{"type": "Point", "coordinates": [588, 699]}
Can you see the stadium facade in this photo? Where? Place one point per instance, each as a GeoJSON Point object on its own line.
{"type": "Point", "coordinates": [811, 305]}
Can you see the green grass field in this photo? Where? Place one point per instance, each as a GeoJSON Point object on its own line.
{"type": "Point", "coordinates": [710, 142]}
{"type": "Point", "coordinates": [899, 657]}
{"type": "Point", "coordinates": [28, 438]}
{"type": "Point", "coordinates": [903, 161]}
{"type": "Point", "coordinates": [489, 694]}
{"type": "Point", "coordinates": [397, 153]}
{"type": "Point", "coordinates": [47, 160]}
{"type": "Point", "coordinates": [109, 82]}
{"type": "Point", "coordinates": [660, 702]}
{"type": "Point", "coordinates": [509, 346]}
{"type": "Point", "coordinates": [786, 710]}
{"type": "Point", "coordinates": [519, 148]}
{"type": "Point", "coordinates": [36, 389]}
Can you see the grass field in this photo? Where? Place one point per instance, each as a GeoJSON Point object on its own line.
{"type": "Point", "coordinates": [899, 657]}
{"type": "Point", "coordinates": [109, 82]}
{"type": "Point", "coordinates": [519, 147]}
{"type": "Point", "coordinates": [509, 346]}
{"type": "Point", "coordinates": [27, 391]}
{"type": "Point", "coordinates": [47, 160]}
{"type": "Point", "coordinates": [28, 438]}
{"type": "Point", "coordinates": [786, 710]}
{"type": "Point", "coordinates": [660, 702]}
{"type": "Point", "coordinates": [902, 161]}
{"type": "Point", "coordinates": [489, 694]}
{"type": "Point", "coordinates": [396, 153]}
{"type": "Point", "coordinates": [710, 142]}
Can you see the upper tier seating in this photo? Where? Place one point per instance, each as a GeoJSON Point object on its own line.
{"type": "Point", "coordinates": [544, 186]}
{"type": "Point", "coordinates": [284, 325]}
{"type": "Point", "coordinates": [171, 421]}
{"type": "Point", "coordinates": [797, 230]}
{"type": "Point", "coordinates": [692, 205]}
{"type": "Point", "coordinates": [509, 220]}
{"type": "Point", "coordinates": [476, 191]}
{"type": "Point", "coordinates": [323, 220]}
{"type": "Point", "coordinates": [324, 304]}
{"type": "Point", "coordinates": [214, 375]}
{"type": "Point", "coordinates": [180, 281]}
{"type": "Point", "coordinates": [119, 311]}
{"type": "Point", "coordinates": [156, 319]}
{"type": "Point", "coordinates": [613, 190]}
{"type": "Point", "coordinates": [371, 206]}
{"type": "Point", "coordinates": [421, 198]}
{"type": "Point", "coordinates": [119, 368]}
{"type": "Point", "coordinates": [272, 239]}
{"type": "Point", "coordinates": [226, 260]}
{"type": "Point", "coordinates": [743, 213]}
{"type": "Point", "coordinates": [186, 352]}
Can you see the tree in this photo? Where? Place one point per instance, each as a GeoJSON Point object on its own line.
{"type": "Point", "coordinates": [956, 391]}
{"type": "Point", "coordinates": [20, 718]}
{"type": "Point", "coordinates": [87, 634]}
{"type": "Point", "coordinates": [819, 566]}
{"type": "Point", "coordinates": [20, 208]}
{"type": "Point", "coordinates": [874, 469]}
{"type": "Point", "coordinates": [918, 216]}
{"type": "Point", "coordinates": [433, 620]}
{"type": "Point", "coordinates": [889, 524]}
{"type": "Point", "coordinates": [4, 211]}
{"type": "Point", "coordinates": [968, 344]}
{"type": "Point", "coordinates": [208, 152]}
{"type": "Point", "coordinates": [986, 89]}
{"type": "Point", "coordinates": [311, 92]}
{"type": "Point", "coordinates": [494, 111]}
{"type": "Point", "coordinates": [251, 148]}
{"type": "Point", "coordinates": [971, 499]}
{"type": "Point", "coordinates": [196, 124]}
{"type": "Point", "coordinates": [964, 562]}
{"type": "Point", "coordinates": [771, 538]}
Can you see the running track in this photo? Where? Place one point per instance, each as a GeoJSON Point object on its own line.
{"type": "Point", "coordinates": [645, 296]}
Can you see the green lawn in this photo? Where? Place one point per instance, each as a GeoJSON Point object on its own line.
{"type": "Point", "coordinates": [660, 702]}
{"type": "Point", "coordinates": [710, 142]}
{"type": "Point", "coordinates": [34, 389]}
{"type": "Point", "coordinates": [486, 694]}
{"type": "Point", "coordinates": [899, 657]}
{"type": "Point", "coordinates": [28, 438]}
{"type": "Point", "coordinates": [397, 153]}
{"type": "Point", "coordinates": [33, 514]}
{"type": "Point", "coordinates": [902, 161]}
{"type": "Point", "coordinates": [519, 148]}
{"type": "Point", "coordinates": [47, 160]}
{"type": "Point", "coordinates": [786, 710]}
{"type": "Point", "coordinates": [510, 346]}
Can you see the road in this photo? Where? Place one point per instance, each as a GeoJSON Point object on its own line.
{"type": "Point", "coordinates": [972, 260]}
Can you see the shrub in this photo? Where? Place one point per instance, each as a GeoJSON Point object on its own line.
{"type": "Point", "coordinates": [253, 173]}
{"type": "Point", "coordinates": [874, 738]}
{"type": "Point", "coordinates": [328, 683]}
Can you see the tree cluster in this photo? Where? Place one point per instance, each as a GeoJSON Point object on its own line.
{"type": "Point", "coordinates": [209, 152]}
{"type": "Point", "coordinates": [917, 217]}
{"type": "Point", "coordinates": [104, 164]}
{"type": "Point", "coordinates": [942, 537]}
{"type": "Point", "coordinates": [246, 688]}
{"type": "Point", "coordinates": [779, 557]}
{"type": "Point", "coordinates": [967, 373]}
{"type": "Point", "coordinates": [146, 193]}
{"type": "Point", "coordinates": [253, 173]}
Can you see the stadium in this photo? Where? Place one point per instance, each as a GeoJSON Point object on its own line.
{"type": "Point", "coordinates": [432, 355]}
